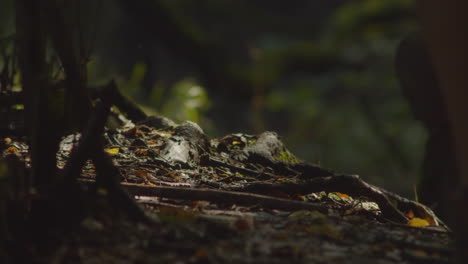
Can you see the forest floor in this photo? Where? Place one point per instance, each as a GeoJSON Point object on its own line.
{"type": "Point", "coordinates": [236, 199]}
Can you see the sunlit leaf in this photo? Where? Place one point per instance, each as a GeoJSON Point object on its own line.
{"type": "Point", "coordinates": [418, 222]}
{"type": "Point", "coordinates": [12, 150]}
{"type": "Point", "coordinates": [113, 151]}
{"type": "Point", "coordinates": [339, 197]}
{"type": "Point", "coordinates": [343, 195]}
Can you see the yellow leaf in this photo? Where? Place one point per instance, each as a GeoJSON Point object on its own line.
{"type": "Point", "coordinates": [418, 222]}
{"type": "Point", "coordinates": [343, 195]}
{"type": "Point", "coordinates": [12, 150]}
{"type": "Point", "coordinates": [339, 197]}
{"type": "Point", "coordinates": [112, 151]}
{"type": "Point", "coordinates": [420, 253]}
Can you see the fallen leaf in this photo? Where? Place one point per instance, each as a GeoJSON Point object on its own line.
{"type": "Point", "coordinates": [339, 197]}
{"type": "Point", "coordinates": [112, 151]}
{"type": "Point", "coordinates": [141, 152]}
{"type": "Point", "coordinates": [343, 195]}
{"type": "Point", "coordinates": [418, 222]}
{"type": "Point", "coordinates": [12, 150]}
{"type": "Point", "coordinates": [410, 214]}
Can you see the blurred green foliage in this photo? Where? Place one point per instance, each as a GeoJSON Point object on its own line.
{"type": "Point", "coordinates": [6, 18]}
{"type": "Point", "coordinates": [318, 72]}
{"type": "Point", "coordinates": [189, 101]}
{"type": "Point", "coordinates": [350, 115]}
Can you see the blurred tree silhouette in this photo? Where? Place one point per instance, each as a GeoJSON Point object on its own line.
{"type": "Point", "coordinates": [351, 111]}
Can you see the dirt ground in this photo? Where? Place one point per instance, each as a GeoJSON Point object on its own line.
{"type": "Point", "coordinates": [236, 199]}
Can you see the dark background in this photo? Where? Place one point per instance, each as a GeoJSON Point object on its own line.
{"type": "Point", "coordinates": [320, 73]}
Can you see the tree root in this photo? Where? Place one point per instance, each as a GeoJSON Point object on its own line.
{"type": "Point", "coordinates": [219, 196]}
{"type": "Point", "coordinates": [389, 203]}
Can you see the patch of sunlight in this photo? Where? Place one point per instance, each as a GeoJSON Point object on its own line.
{"type": "Point", "coordinates": [188, 101]}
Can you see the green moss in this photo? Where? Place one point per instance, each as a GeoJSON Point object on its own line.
{"type": "Point", "coordinates": [250, 142]}
{"type": "Point", "coordinates": [287, 157]}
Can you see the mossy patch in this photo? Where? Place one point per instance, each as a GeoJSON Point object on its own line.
{"type": "Point", "coordinates": [287, 157]}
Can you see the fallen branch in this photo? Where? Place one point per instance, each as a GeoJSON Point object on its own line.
{"type": "Point", "coordinates": [219, 196]}
{"type": "Point", "coordinates": [349, 184]}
